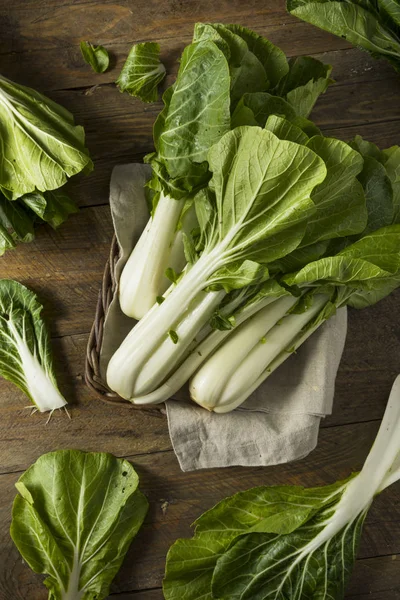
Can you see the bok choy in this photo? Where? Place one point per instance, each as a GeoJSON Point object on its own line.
{"type": "Point", "coordinates": [356, 270]}
{"type": "Point", "coordinates": [74, 519]}
{"type": "Point", "coordinates": [223, 64]}
{"type": "Point", "coordinates": [285, 541]}
{"type": "Point", "coordinates": [40, 149]}
{"type": "Point", "coordinates": [358, 276]}
{"type": "Point", "coordinates": [25, 355]}
{"type": "Point", "coordinates": [339, 210]}
{"type": "Point", "coordinates": [255, 211]}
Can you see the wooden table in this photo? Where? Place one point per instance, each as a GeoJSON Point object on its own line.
{"type": "Point", "coordinates": [39, 46]}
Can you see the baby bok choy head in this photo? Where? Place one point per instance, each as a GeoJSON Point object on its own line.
{"type": "Point", "coordinates": [25, 355]}
{"type": "Point", "coordinates": [282, 541]}
{"type": "Point", "coordinates": [255, 212]}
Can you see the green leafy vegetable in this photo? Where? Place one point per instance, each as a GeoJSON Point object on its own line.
{"type": "Point", "coordinates": [25, 356]}
{"type": "Point", "coordinates": [74, 518]}
{"type": "Point", "coordinates": [373, 25]}
{"type": "Point", "coordinates": [40, 148]}
{"type": "Point", "coordinates": [260, 207]}
{"type": "Point", "coordinates": [40, 145]}
{"type": "Point", "coordinates": [142, 72]}
{"type": "Point", "coordinates": [285, 542]}
{"type": "Point", "coordinates": [95, 56]}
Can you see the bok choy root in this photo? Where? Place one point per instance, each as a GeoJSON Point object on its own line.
{"type": "Point", "coordinates": [281, 541]}
{"type": "Point", "coordinates": [25, 354]}
{"type": "Point", "coordinates": [228, 76]}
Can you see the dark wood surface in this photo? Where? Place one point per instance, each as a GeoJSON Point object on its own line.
{"type": "Point", "coordinates": [39, 46]}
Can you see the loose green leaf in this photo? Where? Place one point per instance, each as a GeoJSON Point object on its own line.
{"type": "Point", "coordinates": [74, 518]}
{"type": "Point", "coordinates": [281, 510]}
{"type": "Point", "coordinates": [53, 146]}
{"type": "Point", "coordinates": [142, 72]}
{"type": "Point", "coordinates": [25, 355]}
{"type": "Point", "coordinates": [95, 56]}
{"type": "Point", "coordinates": [16, 224]}
{"type": "Point", "coordinates": [361, 23]}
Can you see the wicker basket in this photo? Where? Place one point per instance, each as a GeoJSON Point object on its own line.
{"type": "Point", "coordinates": [92, 364]}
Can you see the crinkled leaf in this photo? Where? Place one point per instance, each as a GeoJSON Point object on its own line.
{"type": "Point", "coordinates": [142, 72]}
{"type": "Point", "coordinates": [40, 147]}
{"type": "Point", "coordinates": [75, 518]}
{"type": "Point", "coordinates": [247, 72]}
{"type": "Point", "coordinates": [254, 109]}
{"type": "Point", "coordinates": [340, 202]}
{"type": "Point", "coordinates": [271, 57]}
{"type": "Point", "coordinates": [378, 194]}
{"type": "Point", "coordinates": [195, 115]}
{"type": "Point", "coordinates": [95, 56]}
{"type": "Point", "coordinates": [306, 80]}
{"type": "Point", "coordinates": [285, 130]}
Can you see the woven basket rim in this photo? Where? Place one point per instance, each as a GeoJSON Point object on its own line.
{"type": "Point", "coordinates": [93, 379]}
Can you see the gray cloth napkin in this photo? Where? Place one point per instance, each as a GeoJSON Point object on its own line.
{"type": "Point", "coordinates": [280, 421]}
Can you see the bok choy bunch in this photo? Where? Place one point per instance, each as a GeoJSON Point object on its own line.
{"type": "Point", "coordinates": [255, 211]}
{"type": "Point", "coordinates": [224, 76]}
{"type": "Point", "coordinates": [285, 541]}
{"type": "Point", "coordinates": [41, 148]}
{"type": "Point", "coordinates": [339, 210]}
{"type": "Point", "coordinates": [25, 355]}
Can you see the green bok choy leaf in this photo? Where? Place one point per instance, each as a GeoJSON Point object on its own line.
{"type": "Point", "coordinates": [25, 355]}
{"type": "Point", "coordinates": [74, 518]}
{"type": "Point", "coordinates": [282, 541]}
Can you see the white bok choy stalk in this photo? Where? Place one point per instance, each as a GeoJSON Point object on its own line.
{"type": "Point", "coordinates": [340, 210]}
{"type": "Point", "coordinates": [298, 543]}
{"type": "Point", "coordinates": [256, 212]}
{"type": "Point", "coordinates": [358, 276]}
{"type": "Point", "coordinates": [199, 98]}
{"type": "Point", "coordinates": [25, 356]}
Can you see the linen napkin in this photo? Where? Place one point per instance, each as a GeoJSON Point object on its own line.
{"type": "Point", "coordinates": [280, 421]}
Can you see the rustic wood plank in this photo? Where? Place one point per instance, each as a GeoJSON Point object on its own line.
{"type": "Point", "coordinates": [40, 43]}
{"type": "Point", "coordinates": [177, 498]}
{"type": "Point", "coordinates": [130, 128]}
{"type": "Point", "coordinates": [372, 579]}
{"type": "Point", "coordinates": [375, 579]}
{"type": "Point", "coordinates": [65, 268]}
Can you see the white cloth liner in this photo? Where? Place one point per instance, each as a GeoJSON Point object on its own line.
{"type": "Point", "coordinates": [280, 421]}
